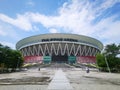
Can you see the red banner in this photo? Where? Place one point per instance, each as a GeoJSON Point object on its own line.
{"type": "Point", "coordinates": [86, 59]}
{"type": "Point", "coordinates": [33, 59]}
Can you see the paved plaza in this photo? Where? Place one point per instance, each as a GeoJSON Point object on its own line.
{"type": "Point", "coordinates": [60, 82]}
{"type": "Point", "coordinates": [59, 79]}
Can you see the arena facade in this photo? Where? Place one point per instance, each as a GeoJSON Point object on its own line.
{"type": "Point", "coordinates": [59, 47]}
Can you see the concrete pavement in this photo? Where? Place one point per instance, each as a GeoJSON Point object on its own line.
{"type": "Point", "coordinates": [60, 82]}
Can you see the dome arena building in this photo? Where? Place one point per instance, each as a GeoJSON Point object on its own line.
{"type": "Point", "coordinates": [59, 47]}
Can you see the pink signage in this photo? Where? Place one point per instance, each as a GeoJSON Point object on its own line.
{"type": "Point", "coordinates": [86, 59]}
{"type": "Point", "coordinates": [33, 59]}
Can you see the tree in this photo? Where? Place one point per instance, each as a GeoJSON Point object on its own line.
{"type": "Point", "coordinates": [100, 60]}
{"type": "Point", "coordinates": [10, 58]}
{"type": "Point", "coordinates": [1, 57]}
{"type": "Point", "coordinates": [17, 60]}
{"type": "Point", "coordinates": [1, 53]}
{"type": "Point", "coordinates": [111, 52]}
{"type": "Point", "coordinates": [14, 59]}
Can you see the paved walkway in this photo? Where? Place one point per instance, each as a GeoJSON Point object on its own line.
{"type": "Point", "coordinates": [60, 82]}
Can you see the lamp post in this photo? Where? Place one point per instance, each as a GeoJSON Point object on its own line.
{"type": "Point", "coordinates": [107, 64]}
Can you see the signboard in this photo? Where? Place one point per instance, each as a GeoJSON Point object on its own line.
{"type": "Point", "coordinates": [47, 59]}
{"type": "Point", "coordinates": [86, 59]}
{"type": "Point", "coordinates": [71, 59]}
{"type": "Point", "coordinates": [33, 59]}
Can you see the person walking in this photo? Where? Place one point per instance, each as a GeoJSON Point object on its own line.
{"type": "Point", "coordinates": [87, 70]}
{"type": "Point", "coordinates": [39, 69]}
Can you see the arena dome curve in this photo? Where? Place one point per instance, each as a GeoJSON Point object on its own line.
{"type": "Point", "coordinates": [59, 47]}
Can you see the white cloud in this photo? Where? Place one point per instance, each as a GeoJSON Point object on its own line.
{"type": "Point", "coordinates": [21, 21]}
{"type": "Point", "coordinates": [108, 3]}
{"type": "Point", "coordinates": [7, 31]}
{"type": "Point", "coordinates": [52, 30]}
{"type": "Point", "coordinates": [2, 29]}
{"type": "Point", "coordinates": [108, 29]}
{"type": "Point", "coordinates": [2, 33]}
{"type": "Point", "coordinates": [30, 3]}
{"type": "Point", "coordinates": [11, 45]}
{"type": "Point", "coordinates": [75, 16]}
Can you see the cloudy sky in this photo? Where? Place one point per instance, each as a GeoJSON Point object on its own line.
{"type": "Point", "coordinates": [99, 19]}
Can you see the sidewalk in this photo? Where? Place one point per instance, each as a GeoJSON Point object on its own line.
{"type": "Point", "coordinates": [60, 82]}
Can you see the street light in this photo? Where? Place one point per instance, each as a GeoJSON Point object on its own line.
{"type": "Point", "coordinates": [107, 64]}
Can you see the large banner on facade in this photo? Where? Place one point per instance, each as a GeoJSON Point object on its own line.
{"type": "Point", "coordinates": [86, 59]}
{"type": "Point", "coordinates": [33, 59]}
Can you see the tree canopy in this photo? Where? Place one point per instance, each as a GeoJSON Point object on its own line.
{"type": "Point", "coordinates": [10, 58]}
{"type": "Point", "coordinates": [111, 53]}
{"type": "Point", "coordinates": [112, 50]}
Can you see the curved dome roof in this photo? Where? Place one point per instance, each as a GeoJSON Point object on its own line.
{"type": "Point", "coordinates": [39, 38]}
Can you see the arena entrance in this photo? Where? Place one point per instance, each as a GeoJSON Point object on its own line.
{"type": "Point", "coordinates": [59, 59]}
